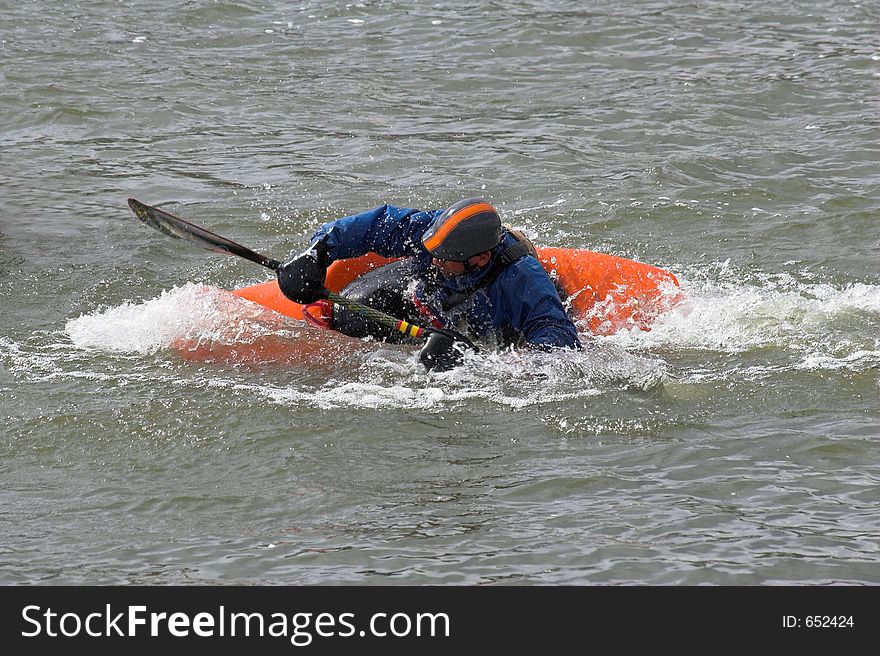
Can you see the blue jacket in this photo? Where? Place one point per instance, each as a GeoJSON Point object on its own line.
{"type": "Point", "coordinates": [520, 304]}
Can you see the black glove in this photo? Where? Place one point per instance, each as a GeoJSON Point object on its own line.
{"type": "Point", "coordinates": [301, 279]}
{"type": "Point", "coordinates": [444, 350]}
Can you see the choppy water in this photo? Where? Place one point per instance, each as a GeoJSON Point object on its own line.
{"type": "Point", "coordinates": [734, 143]}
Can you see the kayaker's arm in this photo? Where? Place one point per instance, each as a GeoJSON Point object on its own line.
{"type": "Point", "coordinates": [534, 308]}
{"type": "Point", "coordinates": [551, 335]}
{"type": "Point", "coordinates": [387, 230]}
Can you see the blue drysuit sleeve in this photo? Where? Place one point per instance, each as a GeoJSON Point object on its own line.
{"type": "Point", "coordinates": [387, 230]}
{"type": "Point", "coordinates": [529, 301]}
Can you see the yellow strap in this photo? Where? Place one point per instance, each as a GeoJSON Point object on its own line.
{"type": "Point", "coordinates": [408, 328]}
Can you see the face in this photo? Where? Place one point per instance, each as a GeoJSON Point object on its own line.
{"type": "Point", "coordinates": [453, 268]}
{"type": "Point", "coordinates": [449, 267]}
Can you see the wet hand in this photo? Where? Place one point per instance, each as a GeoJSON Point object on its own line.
{"type": "Point", "coordinates": [444, 350]}
{"type": "Point", "coordinates": [301, 279]}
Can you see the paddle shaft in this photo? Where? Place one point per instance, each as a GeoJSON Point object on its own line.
{"type": "Point", "coordinates": [174, 226]}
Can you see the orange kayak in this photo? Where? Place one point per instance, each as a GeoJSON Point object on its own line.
{"type": "Point", "coordinates": [605, 292]}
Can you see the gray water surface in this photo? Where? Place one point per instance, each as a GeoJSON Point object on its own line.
{"type": "Point", "coordinates": [733, 143]}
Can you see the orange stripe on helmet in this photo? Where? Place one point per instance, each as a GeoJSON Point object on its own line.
{"type": "Point", "coordinates": [462, 215]}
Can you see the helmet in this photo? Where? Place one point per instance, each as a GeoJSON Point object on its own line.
{"type": "Point", "coordinates": [467, 228]}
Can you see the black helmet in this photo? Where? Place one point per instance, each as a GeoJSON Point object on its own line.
{"type": "Point", "coordinates": [463, 230]}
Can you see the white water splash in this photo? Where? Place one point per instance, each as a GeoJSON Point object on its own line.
{"type": "Point", "coordinates": [856, 361]}
{"type": "Point", "coordinates": [771, 311]}
{"type": "Point", "coordinates": [386, 376]}
{"type": "Point", "coordinates": [820, 325]}
{"type": "Point", "coordinates": [394, 379]}
{"type": "Point", "coordinates": [188, 312]}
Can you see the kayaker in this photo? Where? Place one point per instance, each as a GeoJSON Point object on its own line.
{"type": "Point", "coordinates": [462, 271]}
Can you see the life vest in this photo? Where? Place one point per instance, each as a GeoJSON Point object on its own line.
{"type": "Point", "coordinates": [522, 248]}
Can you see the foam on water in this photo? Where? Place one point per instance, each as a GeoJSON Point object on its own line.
{"type": "Point", "coordinates": [189, 312]}
{"type": "Point", "coordinates": [820, 325]}
{"type": "Point", "coordinates": [823, 325]}
{"type": "Point", "coordinates": [393, 379]}
{"type": "Point", "coordinates": [359, 373]}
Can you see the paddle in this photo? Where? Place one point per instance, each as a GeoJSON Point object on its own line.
{"type": "Point", "coordinates": [176, 227]}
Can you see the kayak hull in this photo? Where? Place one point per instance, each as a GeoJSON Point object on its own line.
{"type": "Point", "coordinates": [605, 293]}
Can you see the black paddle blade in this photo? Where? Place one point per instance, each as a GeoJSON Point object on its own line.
{"type": "Point", "coordinates": [176, 227]}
